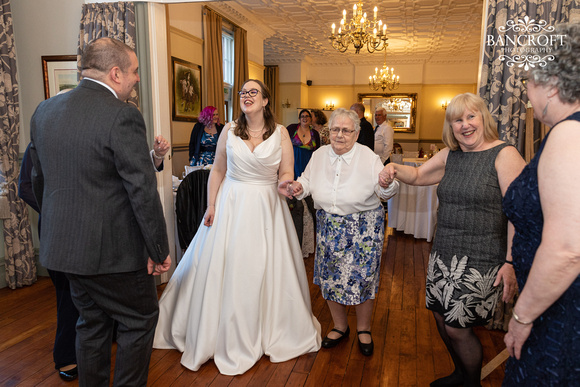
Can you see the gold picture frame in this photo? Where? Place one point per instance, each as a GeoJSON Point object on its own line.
{"type": "Point", "coordinates": [186, 90]}
{"type": "Point", "coordinates": [59, 73]}
{"type": "Point", "coordinates": [401, 109]}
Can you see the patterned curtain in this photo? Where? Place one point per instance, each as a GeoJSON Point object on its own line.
{"type": "Point", "coordinates": [113, 20]}
{"type": "Point", "coordinates": [20, 264]}
{"type": "Point", "coordinates": [271, 79]}
{"type": "Point", "coordinates": [213, 61]}
{"type": "Point", "coordinates": [500, 84]}
{"type": "Point", "coordinates": [241, 66]}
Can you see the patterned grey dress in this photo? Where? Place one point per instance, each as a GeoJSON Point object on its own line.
{"type": "Point", "coordinates": [471, 240]}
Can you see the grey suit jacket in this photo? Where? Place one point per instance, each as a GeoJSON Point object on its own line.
{"type": "Point", "coordinates": [94, 184]}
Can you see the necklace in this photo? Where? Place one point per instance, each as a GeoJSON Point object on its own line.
{"type": "Point", "coordinates": [255, 131]}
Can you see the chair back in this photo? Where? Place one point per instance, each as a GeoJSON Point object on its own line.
{"type": "Point", "coordinates": [190, 205]}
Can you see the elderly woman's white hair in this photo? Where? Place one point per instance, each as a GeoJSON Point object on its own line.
{"type": "Point", "coordinates": [341, 112]}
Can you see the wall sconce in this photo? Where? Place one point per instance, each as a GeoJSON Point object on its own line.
{"type": "Point", "coordinates": [444, 105]}
{"type": "Point", "coordinates": [286, 104]}
{"type": "Point", "coordinates": [329, 106]}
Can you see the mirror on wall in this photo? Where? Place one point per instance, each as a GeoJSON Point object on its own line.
{"type": "Point", "coordinates": [401, 109]}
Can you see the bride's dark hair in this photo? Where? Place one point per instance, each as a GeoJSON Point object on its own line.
{"type": "Point", "coordinates": [241, 129]}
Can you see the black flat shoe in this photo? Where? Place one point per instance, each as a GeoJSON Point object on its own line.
{"type": "Point", "coordinates": [69, 375]}
{"type": "Point", "coordinates": [329, 343]}
{"type": "Point", "coordinates": [366, 349]}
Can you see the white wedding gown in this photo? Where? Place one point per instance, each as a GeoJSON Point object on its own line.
{"type": "Point", "coordinates": [240, 290]}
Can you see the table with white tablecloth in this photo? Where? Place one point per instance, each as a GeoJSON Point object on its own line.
{"type": "Point", "coordinates": [414, 210]}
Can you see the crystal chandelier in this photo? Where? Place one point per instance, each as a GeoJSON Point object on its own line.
{"type": "Point", "coordinates": [359, 31]}
{"type": "Point", "coordinates": [384, 79]}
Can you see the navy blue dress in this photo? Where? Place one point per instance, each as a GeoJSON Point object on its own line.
{"type": "Point", "coordinates": [551, 355]}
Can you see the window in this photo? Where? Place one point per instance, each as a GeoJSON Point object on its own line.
{"type": "Point", "coordinates": [228, 65]}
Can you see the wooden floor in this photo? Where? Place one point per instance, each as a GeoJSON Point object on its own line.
{"type": "Point", "coordinates": [408, 350]}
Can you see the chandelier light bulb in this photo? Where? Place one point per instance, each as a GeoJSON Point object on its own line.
{"type": "Point", "coordinates": [383, 79]}
{"type": "Point", "coordinates": [360, 31]}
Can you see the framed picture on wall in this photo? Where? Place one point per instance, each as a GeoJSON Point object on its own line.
{"type": "Point", "coordinates": [59, 73]}
{"type": "Point", "coordinates": [186, 90]}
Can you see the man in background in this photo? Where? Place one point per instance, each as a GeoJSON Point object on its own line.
{"type": "Point", "coordinates": [383, 136]}
{"type": "Point", "coordinates": [102, 218]}
{"type": "Point", "coordinates": [366, 135]}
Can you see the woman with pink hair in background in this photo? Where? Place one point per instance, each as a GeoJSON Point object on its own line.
{"type": "Point", "coordinates": [204, 137]}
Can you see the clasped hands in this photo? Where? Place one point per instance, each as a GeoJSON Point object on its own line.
{"type": "Point", "coordinates": [387, 175]}
{"type": "Point", "coordinates": [291, 188]}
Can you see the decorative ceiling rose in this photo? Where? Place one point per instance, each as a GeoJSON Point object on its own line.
{"type": "Point", "coordinates": [359, 31]}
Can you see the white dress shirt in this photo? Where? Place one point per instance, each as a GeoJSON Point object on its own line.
{"type": "Point", "coordinates": [345, 184]}
{"type": "Point", "coordinates": [384, 141]}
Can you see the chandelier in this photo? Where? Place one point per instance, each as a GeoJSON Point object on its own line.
{"type": "Point", "coordinates": [360, 32]}
{"type": "Point", "coordinates": [384, 79]}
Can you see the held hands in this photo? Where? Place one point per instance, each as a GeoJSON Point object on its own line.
{"type": "Point", "coordinates": [387, 175]}
{"type": "Point", "coordinates": [158, 268]}
{"type": "Point", "coordinates": [289, 188]}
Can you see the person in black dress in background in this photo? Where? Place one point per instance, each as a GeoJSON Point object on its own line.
{"type": "Point", "coordinates": [305, 140]}
{"type": "Point", "coordinates": [470, 256]}
{"type": "Point", "coordinates": [544, 332]}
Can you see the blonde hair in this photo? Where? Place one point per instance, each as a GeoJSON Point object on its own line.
{"type": "Point", "coordinates": [457, 107]}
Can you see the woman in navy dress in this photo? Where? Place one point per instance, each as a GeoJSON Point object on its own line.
{"type": "Point", "coordinates": [204, 137]}
{"type": "Point", "coordinates": [544, 206]}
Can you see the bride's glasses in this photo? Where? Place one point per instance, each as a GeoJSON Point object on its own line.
{"type": "Point", "coordinates": [251, 93]}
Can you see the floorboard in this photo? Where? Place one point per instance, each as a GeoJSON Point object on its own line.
{"type": "Point", "coordinates": [408, 350]}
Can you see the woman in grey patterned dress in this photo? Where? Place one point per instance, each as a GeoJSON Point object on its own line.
{"type": "Point", "coordinates": [471, 253]}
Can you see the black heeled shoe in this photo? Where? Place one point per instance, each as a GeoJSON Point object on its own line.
{"type": "Point", "coordinates": [69, 375]}
{"type": "Point", "coordinates": [366, 349]}
{"type": "Point", "coordinates": [329, 343]}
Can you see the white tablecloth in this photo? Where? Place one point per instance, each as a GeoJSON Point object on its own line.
{"type": "Point", "coordinates": [414, 161]}
{"type": "Point", "coordinates": [414, 210]}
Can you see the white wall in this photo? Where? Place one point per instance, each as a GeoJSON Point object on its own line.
{"type": "Point", "coordinates": [41, 28]}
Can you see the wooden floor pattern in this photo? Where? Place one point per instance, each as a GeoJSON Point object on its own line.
{"type": "Point", "coordinates": [408, 350]}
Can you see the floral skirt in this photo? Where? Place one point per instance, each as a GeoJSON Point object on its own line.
{"type": "Point", "coordinates": [348, 255]}
{"type": "Point", "coordinates": [461, 291]}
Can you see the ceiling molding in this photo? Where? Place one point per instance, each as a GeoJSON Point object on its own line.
{"type": "Point", "coordinates": [243, 17]}
{"type": "Point", "coordinates": [423, 30]}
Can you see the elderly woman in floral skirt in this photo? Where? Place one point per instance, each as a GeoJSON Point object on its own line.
{"type": "Point", "coordinates": [343, 179]}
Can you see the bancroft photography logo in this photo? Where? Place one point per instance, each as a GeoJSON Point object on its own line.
{"type": "Point", "coordinates": [529, 45]}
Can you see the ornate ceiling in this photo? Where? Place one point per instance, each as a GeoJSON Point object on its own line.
{"type": "Point", "coordinates": [419, 31]}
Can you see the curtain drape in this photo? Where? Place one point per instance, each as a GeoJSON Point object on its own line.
{"type": "Point", "coordinates": [240, 65]}
{"type": "Point", "coordinates": [271, 79]}
{"type": "Point", "coordinates": [501, 86]}
{"type": "Point", "coordinates": [19, 258]}
{"type": "Point", "coordinates": [113, 20]}
{"type": "Point", "coordinates": [213, 61]}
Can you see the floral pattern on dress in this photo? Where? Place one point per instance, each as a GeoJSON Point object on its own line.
{"type": "Point", "coordinates": [348, 255]}
{"type": "Point", "coordinates": [207, 153]}
{"type": "Point", "coordinates": [479, 296]}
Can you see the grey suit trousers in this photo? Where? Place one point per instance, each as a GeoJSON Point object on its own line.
{"type": "Point", "coordinates": [129, 299]}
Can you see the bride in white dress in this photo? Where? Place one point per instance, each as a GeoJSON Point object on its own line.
{"type": "Point", "coordinates": [240, 291]}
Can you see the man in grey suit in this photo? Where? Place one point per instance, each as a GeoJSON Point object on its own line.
{"type": "Point", "coordinates": [102, 218]}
